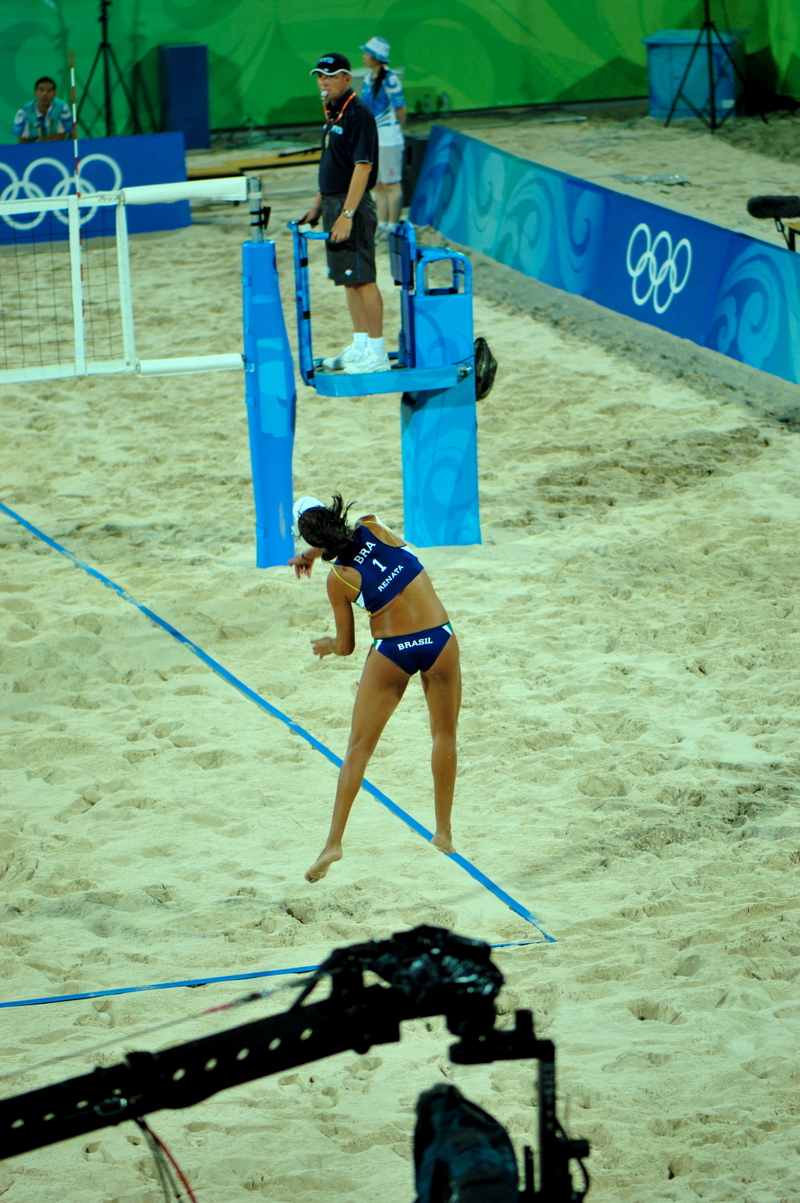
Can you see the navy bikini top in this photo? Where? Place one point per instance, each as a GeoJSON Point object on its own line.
{"type": "Point", "coordinates": [385, 570]}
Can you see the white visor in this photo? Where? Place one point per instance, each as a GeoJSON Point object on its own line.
{"type": "Point", "coordinates": [379, 48]}
{"type": "Point", "coordinates": [300, 506]}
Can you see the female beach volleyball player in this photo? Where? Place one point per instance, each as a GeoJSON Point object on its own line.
{"type": "Point", "coordinates": [411, 633]}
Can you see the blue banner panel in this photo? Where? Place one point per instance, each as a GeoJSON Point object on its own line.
{"type": "Point", "coordinates": [539, 221]}
{"type": "Point", "coordinates": [724, 290]}
{"type": "Point", "coordinates": [660, 266]}
{"type": "Point", "coordinates": [41, 169]}
{"type": "Point", "coordinates": [755, 317]}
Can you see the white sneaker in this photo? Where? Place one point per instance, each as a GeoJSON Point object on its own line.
{"type": "Point", "coordinates": [340, 361]}
{"type": "Point", "coordinates": [368, 361]}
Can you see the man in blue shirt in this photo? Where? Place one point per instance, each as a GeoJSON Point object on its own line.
{"type": "Point", "coordinates": [348, 169]}
{"type": "Point", "coordinates": [45, 118]}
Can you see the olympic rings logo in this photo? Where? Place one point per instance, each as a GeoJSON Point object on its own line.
{"type": "Point", "coordinates": [26, 189]}
{"type": "Point", "coordinates": [662, 281]}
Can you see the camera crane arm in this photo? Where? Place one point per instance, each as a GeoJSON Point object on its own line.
{"type": "Point", "coordinates": [428, 971]}
{"type": "Point", "coordinates": [187, 1073]}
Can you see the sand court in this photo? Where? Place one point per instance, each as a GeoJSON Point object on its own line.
{"type": "Point", "coordinates": [628, 756]}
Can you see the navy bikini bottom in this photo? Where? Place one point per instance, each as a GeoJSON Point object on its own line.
{"type": "Point", "coordinates": [415, 653]}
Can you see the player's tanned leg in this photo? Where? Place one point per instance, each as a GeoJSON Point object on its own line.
{"type": "Point", "coordinates": [381, 687]}
{"type": "Point", "coordinates": [442, 686]}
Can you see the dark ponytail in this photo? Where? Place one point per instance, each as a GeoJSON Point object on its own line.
{"type": "Point", "coordinates": [379, 78]}
{"type": "Point", "coordinates": [326, 526]}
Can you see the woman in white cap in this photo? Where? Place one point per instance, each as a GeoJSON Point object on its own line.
{"type": "Point", "coordinates": [383, 94]}
{"type": "Point", "coordinates": [411, 632]}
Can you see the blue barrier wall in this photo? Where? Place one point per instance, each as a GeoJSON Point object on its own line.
{"type": "Point", "coordinates": [106, 164]}
{"type": "Point", "coordinates": [723, 290]}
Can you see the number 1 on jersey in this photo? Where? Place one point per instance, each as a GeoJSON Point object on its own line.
{"type": "Point", "coordinates": [381, 566]}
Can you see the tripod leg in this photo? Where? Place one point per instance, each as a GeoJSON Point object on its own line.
{"type": "Point", "coordinates": [684, 78]}
{"type": "Point", "coordinates": [140, 89]}
{"type": "Point", "coordinates": [108, 102]}
{"type": "Point", "coordinates": [712, 97]}
{"type": "Point", "coordinates": [89, 81]}
{"type": "Point", "coordinates": [738, 72]}
{"type": "Point", "coordinates": [137, 129]}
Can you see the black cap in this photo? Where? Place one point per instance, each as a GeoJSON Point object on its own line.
{"type": "Point", "coordinates": [331, 64]}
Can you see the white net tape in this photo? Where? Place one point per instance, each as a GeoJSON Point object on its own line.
{"type": "Point", "coordinates": [27, 189]}
{"type": "Point", "coordinates": [65, 302]}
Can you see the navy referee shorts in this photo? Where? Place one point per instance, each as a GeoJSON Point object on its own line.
{"type": "Point", "coordinates": [353, 261]}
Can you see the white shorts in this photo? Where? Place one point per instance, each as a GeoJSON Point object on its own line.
{"type": "Point", "coordinates": [390, 164]}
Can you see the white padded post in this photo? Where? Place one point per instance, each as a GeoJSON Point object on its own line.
{"type": "Point", "coordinates": [232, 189]}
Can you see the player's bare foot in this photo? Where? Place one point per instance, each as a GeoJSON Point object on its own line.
{"type": "Point", "coordinates": [323, 863]}
{"type": "Point", "coordinates": [443, 842]}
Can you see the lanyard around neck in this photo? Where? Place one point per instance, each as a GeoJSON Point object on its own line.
{"type": "Point", "coordinates": [338, 116]}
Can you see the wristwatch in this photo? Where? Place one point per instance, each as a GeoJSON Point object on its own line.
{"type": "Point", "coordinates": [348, 213]}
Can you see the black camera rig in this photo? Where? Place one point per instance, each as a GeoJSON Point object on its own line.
{"type": "Point", "coordinates": [424, 972]}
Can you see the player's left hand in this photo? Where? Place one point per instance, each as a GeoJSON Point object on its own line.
{"type": "Point", "coordinates": [342, 229]}
{"type": "Point", "coordinates": [322, 647]}
{"type": "Point", "coordinates": [302, 566]}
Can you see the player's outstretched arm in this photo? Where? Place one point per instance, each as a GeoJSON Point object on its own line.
{"type": "Point", "coordinates": [304, 562]}
{"type": "Point", "coordinates": [344, 641]}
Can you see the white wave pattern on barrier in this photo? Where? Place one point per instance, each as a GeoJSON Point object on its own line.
{"type": "Point", "coordinates": [655, 276]}
{"type": "Point", "coordinates": [27, 189]}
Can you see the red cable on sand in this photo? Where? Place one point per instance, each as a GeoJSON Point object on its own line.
{"type": "Point", "coordinates": [175, 1166]}
{"type": "Point", "coordinates": [177, 1169]}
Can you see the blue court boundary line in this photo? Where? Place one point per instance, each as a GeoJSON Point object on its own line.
{"type": "Point", "coordinates": [198, 981]}
{"type": "Point", "coordinates": [249, 693]}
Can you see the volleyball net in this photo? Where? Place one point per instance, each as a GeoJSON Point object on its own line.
{"type": "Point", "coordinates": [66, 305]}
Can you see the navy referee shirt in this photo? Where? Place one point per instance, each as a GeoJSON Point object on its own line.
{"type": "Point", "coordinates": [350, 136]}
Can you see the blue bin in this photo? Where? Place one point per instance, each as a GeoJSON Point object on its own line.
{"type": "Point", "coordinates": [668, 53]}
{"type": "Point", "coordinates": [183, 93]}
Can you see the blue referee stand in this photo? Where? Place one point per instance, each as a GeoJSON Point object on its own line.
{"type": "Point", "coordinates": [433, 369]}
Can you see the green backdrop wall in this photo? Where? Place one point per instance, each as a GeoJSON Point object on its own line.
{"type": "Point", "coordinates": [784, 37]}
{"type": "Point", "coordinates": [481, 52]}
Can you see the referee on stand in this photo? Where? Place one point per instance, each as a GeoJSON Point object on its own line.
{"type": "Point", "coordinates": [348, 170]}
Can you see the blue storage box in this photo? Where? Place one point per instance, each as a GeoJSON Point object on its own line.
{"type": "Point", "coordinates": [669, 51]}
{"type": "Point", "coordinates": [183, 93]}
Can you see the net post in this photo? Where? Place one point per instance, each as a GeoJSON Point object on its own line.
{"type": "Point", "coordinates": [74, 216]}
{"type": "Point", "coordinates": [125, 295]}
{"type": "Point", "coordinates": [271, 400]}
{"type": "Point", "coordinates": [254, 197]}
